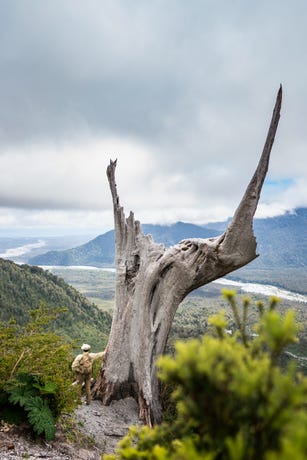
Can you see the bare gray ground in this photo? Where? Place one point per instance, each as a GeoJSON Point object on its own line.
{"type": "Point", "coordinates": [105, 425]}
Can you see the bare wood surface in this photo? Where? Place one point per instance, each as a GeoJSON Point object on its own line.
{"type": "Point", "coordinates": [152, 280]}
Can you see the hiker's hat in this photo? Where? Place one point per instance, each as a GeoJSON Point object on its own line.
{"type": "Point", "coordinates": [85, 347]}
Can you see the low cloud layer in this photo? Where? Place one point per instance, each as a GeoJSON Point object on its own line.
{"type": "Point", "coordinates": [182, 95]}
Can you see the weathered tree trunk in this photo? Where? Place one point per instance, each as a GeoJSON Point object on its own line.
{"type": "Point", "coordinates": [151, 281]}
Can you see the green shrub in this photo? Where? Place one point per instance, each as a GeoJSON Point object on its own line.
{"type": "Point", "coordinates": [35, 373]}
{"type": "Point", "coordinates": [233, 401]}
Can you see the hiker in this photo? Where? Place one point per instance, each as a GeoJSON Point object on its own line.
{"type": "Point", "coordinates": [83, 365]}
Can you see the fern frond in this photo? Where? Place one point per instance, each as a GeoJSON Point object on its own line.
{"type": "Point", "coordinates": [47, 388]}
{"type": "Point", "coordinates": [20, 394]}
{"type": "Point", "coordinates": [41, 417]}
{"type": "Point", "coordinates": [25, 378]}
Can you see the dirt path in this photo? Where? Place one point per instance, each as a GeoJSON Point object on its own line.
{"type": "Point", "coordinates": [105, 425]}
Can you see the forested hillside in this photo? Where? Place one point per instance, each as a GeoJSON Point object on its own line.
{"type": "Point", "coordinates": [23, 288]}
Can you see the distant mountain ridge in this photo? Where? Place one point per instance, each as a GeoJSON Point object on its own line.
{"type": "Point", "coordinates": [281, 242]}
{"type": "Point", "coordinates": [99, 252]}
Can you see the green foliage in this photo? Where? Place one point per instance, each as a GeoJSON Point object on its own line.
{"type": "Point", "coordinates": [233, 400]}
{"type": "Point", "coordinates": [21, 389]}
{"type": "Point", "coordinates": [41, 417]}
{"type": "Point", "coordinates": [35, 374]}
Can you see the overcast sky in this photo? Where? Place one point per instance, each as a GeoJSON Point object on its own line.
{"type": "Point", "coordinates": [181, 92]}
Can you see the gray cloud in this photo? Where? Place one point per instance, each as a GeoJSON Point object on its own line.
{"type": "Point", "coordinates": [185, 90]}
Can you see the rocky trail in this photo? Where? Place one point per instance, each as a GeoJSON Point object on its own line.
{"type": "Point", "coordinates": [99, 430]}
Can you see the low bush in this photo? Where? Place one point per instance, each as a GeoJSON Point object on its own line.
{"type": "Point", "coordinates": [233, 400]}
{"type": "Point", "coordinates": [35, 373]}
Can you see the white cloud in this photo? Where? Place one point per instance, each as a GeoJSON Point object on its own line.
{"type": "Point", "coordinates": [49, 222]}
{"type": "Point", "coordinates": [70, 176]}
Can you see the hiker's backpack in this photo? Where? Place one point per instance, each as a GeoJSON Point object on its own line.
{"type": "Point", "coordinates": [83, 364]}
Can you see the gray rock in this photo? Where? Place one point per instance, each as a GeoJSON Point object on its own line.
{"type": "Point", "coordinates": [107, 424]}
